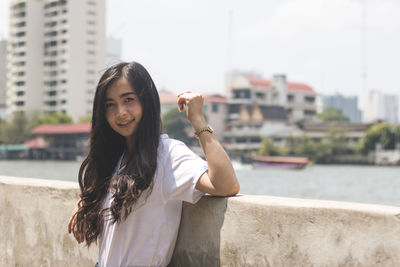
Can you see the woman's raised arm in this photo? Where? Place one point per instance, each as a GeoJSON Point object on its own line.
{"type": "Point", "coordinates": [220, 179]}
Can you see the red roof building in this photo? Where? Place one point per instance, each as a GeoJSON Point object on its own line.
{"type": "Point", "coordinates": [68, 128]}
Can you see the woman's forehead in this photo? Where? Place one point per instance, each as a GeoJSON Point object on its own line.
{"type": "Point", "coordinates": [119, 87]}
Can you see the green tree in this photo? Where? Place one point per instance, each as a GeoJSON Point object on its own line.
{"type": "Point", "coordinates": [17, 131]}
{"type": "Point", "coordinates": [332, 114]}
{"type": "Point", "coordinates": [176, 125]}
{"type": "Point", "coordinates": [52, 118]}
{"type": "Point", "coordinates": [268, 148]}
{"type": "Point", "coordinates": [384, 133]}
{"type": "Point", "coordinates": [87, 118]}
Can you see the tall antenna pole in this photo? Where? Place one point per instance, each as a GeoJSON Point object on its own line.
{"type": "Point", "coordinates": [364, 46]}
{"type": "Point", "coordinates": [229, 75]}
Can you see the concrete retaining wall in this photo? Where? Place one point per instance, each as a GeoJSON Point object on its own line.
{"type": "Point", "coordinates": [237, 231]}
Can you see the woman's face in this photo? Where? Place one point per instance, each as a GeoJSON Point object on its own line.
{"type": "Point", "coordinates": [123, 108]}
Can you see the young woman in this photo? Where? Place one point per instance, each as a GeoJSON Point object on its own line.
{"type": "Point", "coordinates": [134, 179]}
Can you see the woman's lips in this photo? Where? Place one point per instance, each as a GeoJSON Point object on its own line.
{"type": "Point", "coordinates": [125, 125]}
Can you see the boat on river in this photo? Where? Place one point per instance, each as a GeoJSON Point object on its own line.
{"type": "Point", "coordinates": [280, 162]}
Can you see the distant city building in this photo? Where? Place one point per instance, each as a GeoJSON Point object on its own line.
{"type": "Point", "coordinates": [298, 99]}
{"type": "Point", "coordinates": [348, 105]}
{"type": "Point", "coordinates": [378, 106]}
{"type": "Point", "coordinates": [56, 54]}
{"type": "Point", "coordinates": [3, 79]}
{"type": "Point", "coordinates": [114, 51]}
{"type": "Point", "coordinates": [258, 107]}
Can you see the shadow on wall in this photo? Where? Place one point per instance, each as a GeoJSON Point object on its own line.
{"type": "Point", "coordinates": [202, 246]}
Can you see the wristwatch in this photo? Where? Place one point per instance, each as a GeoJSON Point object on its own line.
{"type": "Point", "coordinates": [204, 129]}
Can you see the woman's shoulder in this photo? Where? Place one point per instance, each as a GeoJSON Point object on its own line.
{"type": "Point", "coordinates": [167, 145]}
{"type": "Point", "coordinates": [166, 141]}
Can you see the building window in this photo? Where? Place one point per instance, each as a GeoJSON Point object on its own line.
{"type": "Point", "coordinates": [64, 21]}
{"type": "Point", "coordinates": [91, 42]}
{"type": "Point", "coordinates": [91, 22]}
{"type": "Point", "coordinates": [20, 93]}
{"type": "Point", "coordinates": [64, 41]}
{"type": "Point", "coordinates": [19, 54]}
{"type": "Point", "coordinates": [243, 94]}
{"type": "Point", "coordinates": [50, 24]}
{"type": "Point", "coordinates": [50, 83]}
{"type": "Point", "coordinates": [52, 93]}
{"type": "Point", "coordinates": [50, 63]}
{"type": "Point", "coordinates": [19, 103]}
{"type": "Point", "coordinates": [63, 101]}
{"type": "Point", "coordinates": [290, 98]}
{"type": "Point", "coordinates": [91, 12]}
{"type": "Point", "coordinates": [91, 32]}
{"type": "Point", "coordinates": [19, 64]}
{"type": "Point", "coordinates": [91, 52]}
{"type": "Point", "coordinates": [50, 44]}
{"type": "Point", "coordinates": [20, 83]}
{"type": "Point", "coordinates": [214, 107]}
{"type": "Point", "coordinates": [309, 112]}
{"type": "Point", "coordinates": [309, 99]}
{"type": "Point", "coordinates": [19, 5]}
{"type": "Point", "coordinates": [260, 95]}
{"type": "Point", "coordinates": [52, 33]}
{"type": "Point", "coordinates": [19, 73]}
{"type": "Point", "coordinates": [51, 4]}
{"type": "Point", "coordinates": [20, 24]}
{"type": "Point", "coordinates": [50, 53]}
{"type": "Point", "coordinates": [51, 103]}
{"type": "Point", "coordinates": [51, 14]}
{"type": "Point", "coordinates": [20, 14]}
{"type": "Point", "coordinates": [20, 34]}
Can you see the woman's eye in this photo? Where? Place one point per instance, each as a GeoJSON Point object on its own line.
{"type": "Point", "coordinates": [109, 105]}
{"type": "Point", "coordinates": [129, 99]}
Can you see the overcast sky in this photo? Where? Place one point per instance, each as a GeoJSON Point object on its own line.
{"type": "Point", "coordinates": [185, 44]}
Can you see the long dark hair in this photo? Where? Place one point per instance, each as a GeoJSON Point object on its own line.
{"type": "Point", "coordinates": [106, 147]}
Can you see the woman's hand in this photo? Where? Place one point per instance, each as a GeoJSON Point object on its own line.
{"type": "Point", "coordinates": [72, 226]}
{"type": "Point", "coordinates": [194, 108]}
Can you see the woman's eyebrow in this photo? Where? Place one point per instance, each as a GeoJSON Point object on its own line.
{"type": "Point", "coordinates": [127, 93]}
{"type": "Point", "coordinates": [121, 96]}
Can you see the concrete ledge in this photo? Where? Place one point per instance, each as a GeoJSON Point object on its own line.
{"type": "Point", "coordinates": [237, 231]}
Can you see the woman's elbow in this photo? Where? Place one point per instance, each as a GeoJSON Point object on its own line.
{"type": "Point", "coordinates": [232, 190]}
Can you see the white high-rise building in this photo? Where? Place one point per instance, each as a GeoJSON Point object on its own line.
{"type": "Point", "coordinates": [378, 106]}
{"type": "Point", "coordinates": [56, 53]}
{"type": "Point", "coordinates": [3, 57]}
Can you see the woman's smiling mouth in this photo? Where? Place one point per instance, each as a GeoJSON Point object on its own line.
{"type": "Point", "coordinates": [125, 125]}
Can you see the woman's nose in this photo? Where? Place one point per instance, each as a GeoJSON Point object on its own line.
{"type": "Point", "coordinates": [121, 111]}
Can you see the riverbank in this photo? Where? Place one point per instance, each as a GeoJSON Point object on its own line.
{"type": "Point", "coordinates": [366, 184]}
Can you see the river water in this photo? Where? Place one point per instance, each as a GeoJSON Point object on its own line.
{"type": "Point", "coordinates": [367, 184]}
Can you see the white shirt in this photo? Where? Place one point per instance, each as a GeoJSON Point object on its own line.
{"type": "Point", "coordinates": [148, 235]}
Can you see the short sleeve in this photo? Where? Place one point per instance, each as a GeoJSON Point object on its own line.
{"type": "Point", "coordinates": [182, 170]}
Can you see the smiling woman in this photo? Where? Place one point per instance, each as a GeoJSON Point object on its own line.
{"type": "Point", "coordinates": [134, 179]}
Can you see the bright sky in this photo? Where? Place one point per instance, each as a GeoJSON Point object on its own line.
{"type": "Point", "coordinates": [184, 43]}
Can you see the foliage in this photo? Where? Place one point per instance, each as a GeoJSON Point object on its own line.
{"type": "Point", "coordinates": [52, 118]}
{"type": "Point", "coordinates": [268, 148]}
{"type": "Point", "coordinates": [383, 133]}
{"type": "Point", "coordinates": [332, 114]}
{"type": "Point", "coordinates": [333, 144]}
{"type": "Point", "coordinates": [87, 118]}
{"type": "Point", "coordinates": [177, 126]}
{"type": "Point", "coordinates": [17, 131]}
